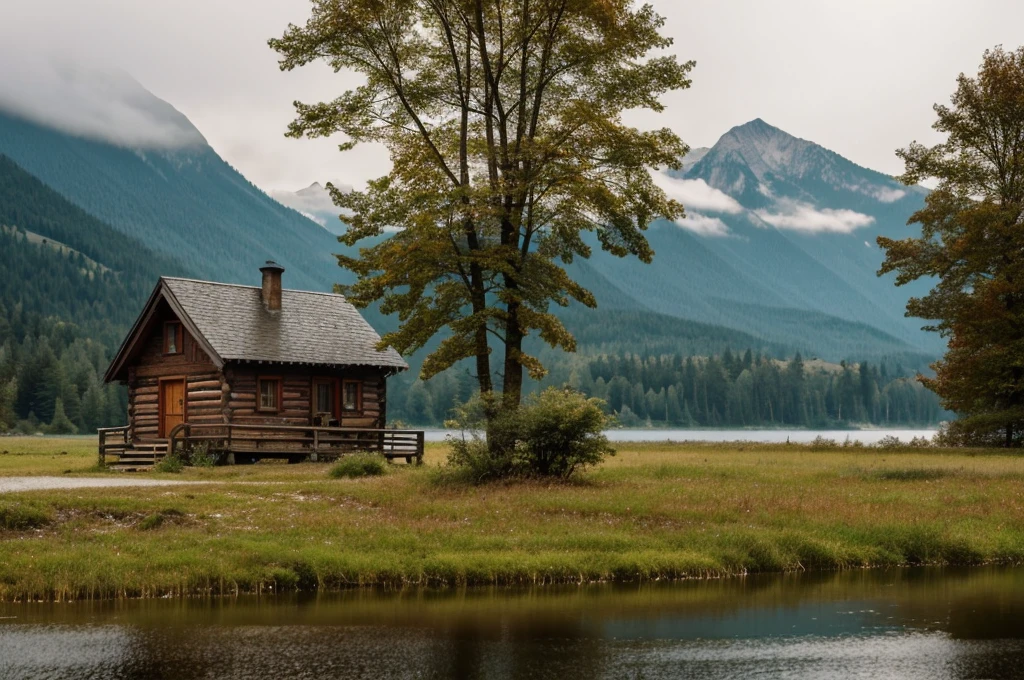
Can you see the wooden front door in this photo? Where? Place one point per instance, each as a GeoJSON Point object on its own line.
{"type": "Point", "coordinates": [172, 405]}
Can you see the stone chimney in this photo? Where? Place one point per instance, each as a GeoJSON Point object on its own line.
{"type": "Point", "coordinates": [271, 293]}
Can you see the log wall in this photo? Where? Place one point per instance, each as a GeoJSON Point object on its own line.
{"type": "Point", "coordinates": [297, 394]}
{"type": "Point", "coordinates": [229, 395]}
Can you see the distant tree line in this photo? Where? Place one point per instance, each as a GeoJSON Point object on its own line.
{"type": "Point", "coordinates": [728, 390]}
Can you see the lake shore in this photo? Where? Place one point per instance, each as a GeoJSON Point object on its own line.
{"type": "Point", "coordinates": [653, 512]}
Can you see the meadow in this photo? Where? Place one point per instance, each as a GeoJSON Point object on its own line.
{"type": "Point", "coordinates": [652, 512]}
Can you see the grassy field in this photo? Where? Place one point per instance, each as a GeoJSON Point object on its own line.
{"type": "Point", "coordinates": [655, 511]}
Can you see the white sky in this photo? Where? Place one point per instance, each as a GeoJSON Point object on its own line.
{"type": "Point", "coordinates": [858, 77]}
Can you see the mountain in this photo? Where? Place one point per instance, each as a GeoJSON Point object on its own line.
{"type": "Point", "coordinates": [315, 203]}
{"type": "Point", "coordinates": [184, 202]}
{"type": "Point", "coordinates": [778, 242]}
{"type": "Point", "coordinates": [59, 261]}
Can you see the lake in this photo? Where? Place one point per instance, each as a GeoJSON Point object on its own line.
{"type": "Point", "coordinates": [907, 623]}
{"type": "Point", "coordinates": [766, 436]}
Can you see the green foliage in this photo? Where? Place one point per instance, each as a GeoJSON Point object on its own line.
{"type": "Point", "coordinates": [356, 465]}
{"type": "Point", "coordinates": [504, 127]}
{"type": "Point", "coordinates": [553, 434]}
{"type": "Point", "coordinates": [15, 516]}
{"type": "Point", "coordinates": [201, 455]}
{"type": "Point", "coordinates": [170, 463]}
{"type": "Point", "coordinates": [972, 245]}
{"type": "Point", "coordinates": [60, 423]}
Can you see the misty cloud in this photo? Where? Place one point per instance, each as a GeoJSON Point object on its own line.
{"type": "Point", "coordinates": [697, 194]}
{"type": "Point", "coordinates": [313, 200]}
{"type": "Point", "coordinates": [882, 194]}
{"type": "Point", "coordinates": [103, 105]}
{"type": "Point", "coordinates": [887, 195]}
{"type": "Point", "coordinates": [800, 216]}
{"type": "Point", "coordinates": [703, 225]}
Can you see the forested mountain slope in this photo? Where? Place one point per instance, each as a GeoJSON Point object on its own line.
{"type": "Point", "coordinates": [70, 286]}
{"type": "Point", "coordinates": [185, 203]}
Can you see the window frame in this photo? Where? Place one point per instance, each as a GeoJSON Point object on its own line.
{"type": "Point", "coordinates": [359, 395]}
{"type": "Point", "coordinates": [278, 393]}
{"type": "Point", "coordinates": [178, 339]}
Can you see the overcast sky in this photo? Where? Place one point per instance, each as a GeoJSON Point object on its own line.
{"type": "Point", "coordinates": [857, 76]}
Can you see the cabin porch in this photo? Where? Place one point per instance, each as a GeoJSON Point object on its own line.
{"type": "Point", "coordinates": [246, 443]}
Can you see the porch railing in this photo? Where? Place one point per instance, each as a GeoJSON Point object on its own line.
{"type": "Point", "coordinates": [113, 440]}
{"type": "Point", "coordinates": [293, 440]}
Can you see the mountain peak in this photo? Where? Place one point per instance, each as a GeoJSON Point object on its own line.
{"type": "Point", "coordinates": [313, 189]}
{"type": "Point", "coordinates": [765, 148]}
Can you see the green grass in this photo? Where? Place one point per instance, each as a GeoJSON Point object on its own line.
{"type": "Point", "coordinates": [654, 511]}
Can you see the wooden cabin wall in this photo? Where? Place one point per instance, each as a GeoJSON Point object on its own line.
{"type": "Point", "coordinates": [204, 400]}
{"type": "Point", "coordinates": [297, 394]}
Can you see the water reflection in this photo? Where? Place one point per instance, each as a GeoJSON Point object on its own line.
{"type": "Point", "coordinates": [925, 623]}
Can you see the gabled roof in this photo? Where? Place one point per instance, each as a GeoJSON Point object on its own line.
{"type": "Point", "coordinates": [231, 324]}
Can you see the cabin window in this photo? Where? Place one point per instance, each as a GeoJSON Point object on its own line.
{"type": "Point", "coordinates": [323, 396]}
{"type": "Point", "coordinates": [352, 395]}
{"type": "Point", "coordinates": [172, 337]}
{"type": "Point", "coordinates": [269, 394]}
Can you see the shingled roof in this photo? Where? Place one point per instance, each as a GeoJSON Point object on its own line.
{"type": "Point", "coordinates": [231, 322]}
{"type": "Point", "coordinates": [311, 328]}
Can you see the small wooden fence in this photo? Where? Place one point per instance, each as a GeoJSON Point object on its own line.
{"type": "Point", "coordinates": [113, 441]}
{"type": "Point", "coordinates": [296, 442]}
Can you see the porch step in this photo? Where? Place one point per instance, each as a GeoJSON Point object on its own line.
{"type": "Point", "coordinates": [141, 457]}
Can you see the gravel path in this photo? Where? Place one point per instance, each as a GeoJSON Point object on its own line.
{"type": "Point", "coordinates": [10, 484]}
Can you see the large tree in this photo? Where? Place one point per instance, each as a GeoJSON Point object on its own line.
{"type": "Point", "coordinates": [503, 120]}
{"type": "Point", "coordinates": [972, 244]}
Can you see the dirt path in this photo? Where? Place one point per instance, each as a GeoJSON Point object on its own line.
{"type": "Point", "coordinates": [11, 484]}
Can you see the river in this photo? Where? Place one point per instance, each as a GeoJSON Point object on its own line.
{"type": "Point", "coordinates": [905, 623]}
{"type": "Point", "coordinates": [767, 436]}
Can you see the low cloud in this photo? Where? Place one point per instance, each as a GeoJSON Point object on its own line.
{"type": "Point", "coordinates": [697, 194]}
{"type": "Point", "coordinates": [799, 216]}
{"type": "Point", "coordinates": [703, 225]}
{"type": "Point", "coordinates": [888, 195]}
{"type": "Point", "coordinates": [103, 105]}
{"type": "Point", "coordinates": [882, 194]}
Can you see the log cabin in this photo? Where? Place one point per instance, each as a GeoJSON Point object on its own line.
{"type": "Point", "coordinates": [254, 372]}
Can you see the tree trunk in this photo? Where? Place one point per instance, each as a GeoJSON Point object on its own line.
{"type": "Point", "coordinates": [512, 385]}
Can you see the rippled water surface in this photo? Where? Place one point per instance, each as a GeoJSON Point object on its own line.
{"type": "Point", "coordinates": [931, 624]}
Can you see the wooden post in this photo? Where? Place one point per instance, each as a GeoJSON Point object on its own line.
{"type": "Point", "coordinates": [419, 447]}
{"type": "Point", "coordinates": [103, 446]}
{"type": "Point", "coordinates": [316, 446]}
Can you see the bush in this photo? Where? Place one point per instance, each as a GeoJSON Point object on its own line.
{"type": "Point", "coordinates": [820, 443]}
{"type": "Point", "coordinates": [889, 442]}
{"type": "Point", "coordinates": [553, 434]}
{"type": "Point", "coordinates": [360, 465]}
{"type": "Point", "coordinates": [200, 455]}
{"type": "Point", "coordinates": [170, 463]}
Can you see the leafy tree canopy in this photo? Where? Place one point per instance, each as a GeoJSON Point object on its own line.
{"type": "Point", "coordinates": [503, 119]}
{"type": "Point", "coordinates": [972, 243]}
